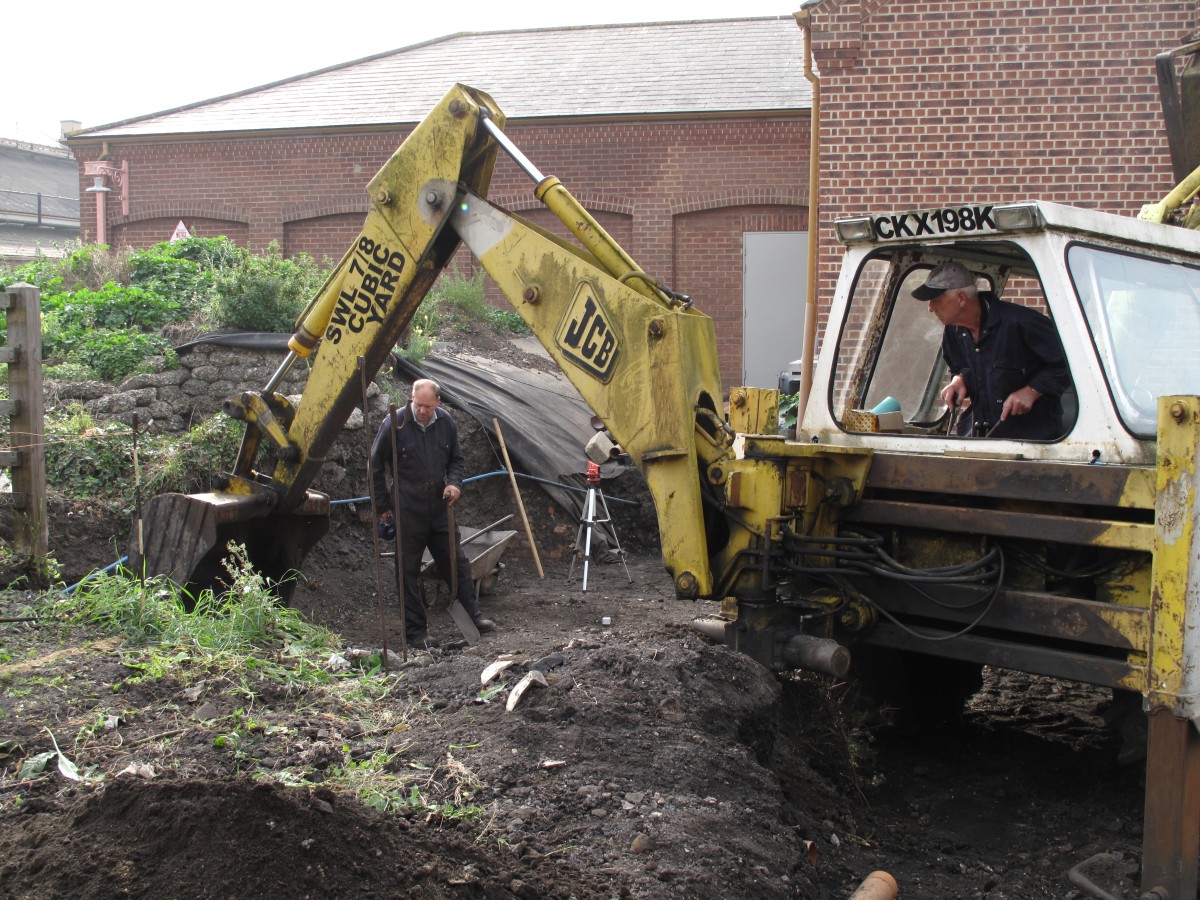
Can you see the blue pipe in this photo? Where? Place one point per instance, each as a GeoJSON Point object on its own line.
{"type": "Point", "coordinates": [92, 575]}
{"type": "Point", "coordinates": [565, 487]}
{"type": "Point", "coordinates": [557, 484]}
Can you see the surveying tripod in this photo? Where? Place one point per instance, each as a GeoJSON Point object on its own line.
{"type": "Point", "coordinates": [595, 512]}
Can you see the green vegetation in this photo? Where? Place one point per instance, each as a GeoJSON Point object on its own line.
{"type": "Point", "coordinates": [104, 312]}
{"type": "Point", "coordinates": [456, 302]}
{"type": "Point", "coordinates": [265, 293]}
{"type": "Point", "coordinates": [86, 458]}
{"type": "Point", "coordinates": [236, 649]}
{"type": "Point", "coordinates": [788, 408]}
{"type": "Point", "coordinates": [377, 783]}
{"type": "Point", "coordinates": [107, 314]}
{"type": "Point", "coordinates": [243, 629]}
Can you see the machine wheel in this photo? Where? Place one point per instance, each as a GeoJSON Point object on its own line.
{"type": "Point", "coordinates": [910, 690]}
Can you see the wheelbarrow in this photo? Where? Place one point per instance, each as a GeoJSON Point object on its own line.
{"type": "Point", "coordinates": [483, 548]}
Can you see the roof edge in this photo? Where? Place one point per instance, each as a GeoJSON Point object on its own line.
{"type": "Point", "coordinates": [85, 132]}
{"type": "Point", "coordinates": [602, 118]}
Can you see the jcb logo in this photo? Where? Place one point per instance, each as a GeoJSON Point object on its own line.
{"type": "Point", "coordinates": [586, 337]}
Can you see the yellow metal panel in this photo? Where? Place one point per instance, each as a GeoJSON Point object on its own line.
{"type": "Point", "coordinates": [1139, 490]}
{"type": "Point", "coordinates": [754, 410]}
{"type": "Point", "coordinates": [1174, 551]}
{"type": "Point", "coordinates": [647, 369]}
{"type": "Point", "coordinates": [368, 300]}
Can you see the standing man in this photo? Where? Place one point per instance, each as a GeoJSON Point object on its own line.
{"type": "Point", "coordinates": [1008, 365]}
{"type": "Point", "coordinates": [429, 464]}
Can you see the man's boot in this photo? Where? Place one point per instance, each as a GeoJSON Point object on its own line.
{"type": "Point", "coordinates": [471, 605]}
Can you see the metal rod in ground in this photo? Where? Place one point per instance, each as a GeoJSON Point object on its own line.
{"type": "Point", "coordinates": [399, 557]}
{"type": "Point", "coordinates": [362, 378]}
{"type": "Point", "coordinates": [517, 493]}
{"type": "Point", "coordinates": [137, 504]}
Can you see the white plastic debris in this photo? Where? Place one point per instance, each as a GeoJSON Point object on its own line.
{"type": "Point", "coordinates": [533, 676]}
{"type": "Point", "coordinates": [494, 669]}
{"type": "Point", "coordinates": [140, 770]}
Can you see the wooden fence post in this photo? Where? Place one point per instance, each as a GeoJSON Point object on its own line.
{"type": "Point", "coordinates": [26, 407]}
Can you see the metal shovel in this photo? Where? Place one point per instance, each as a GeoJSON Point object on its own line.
{"type": "Point", "coordinates": [458, 612]}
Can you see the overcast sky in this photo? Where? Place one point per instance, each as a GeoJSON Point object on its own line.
{"type": "Point", "coordinates": [99, 63]}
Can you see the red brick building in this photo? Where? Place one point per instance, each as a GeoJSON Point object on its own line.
{"type": "Point", "coordinates": [927, 103]}
{"type": "Point", "coordinates": [679, 137]}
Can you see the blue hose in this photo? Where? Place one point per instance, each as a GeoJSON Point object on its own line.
{"type": "Point", "coordinates": [565, 487]}
{"type": "Point", "coordinates": [557, 484]}
{"type": "Point", "coordinates": [92, 575]}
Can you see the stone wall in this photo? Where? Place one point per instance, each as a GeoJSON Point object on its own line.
{"type": "Point", "coordinates": [175, 400]}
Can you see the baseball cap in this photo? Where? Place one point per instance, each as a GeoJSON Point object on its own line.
{"type": "Point", "coordinates": [945, 277]}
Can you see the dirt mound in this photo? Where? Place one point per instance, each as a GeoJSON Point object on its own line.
{"type": "Point", "coordinates": [210, 838]}
{"type": "Point", "coordinates": [647, 755]}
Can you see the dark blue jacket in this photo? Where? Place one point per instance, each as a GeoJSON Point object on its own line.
{"type": "Point", "coordinates": [1017, 346]}
{"type": "Point", "coordinates": [426, 461]}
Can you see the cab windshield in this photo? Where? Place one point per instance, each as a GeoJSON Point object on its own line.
{"type": "Point", "coordinates": [1144, 317]}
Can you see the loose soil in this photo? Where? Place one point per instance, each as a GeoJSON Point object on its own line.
{"type": "Point", "coordinates": [652, 763]}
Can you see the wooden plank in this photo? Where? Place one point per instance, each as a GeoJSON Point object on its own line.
{"type": "Point", "coordinates": [1005, 523]}
{"type": "Point", "coordinates": [1171, 829]}
{"type": "Point", "coordinates": [31, 534]}
{"type": "Point", "coordinates": [13, 501]}
{"type": "Point", "coordinates": [10, 458]}
{"type": "Point", "coordinates": [10, 407]}
{"type": "Point", "coordinates": [10, 354]}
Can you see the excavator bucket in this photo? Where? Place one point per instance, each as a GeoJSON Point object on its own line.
{"type": "Point", "coordinates": [349, 330]}
{"type": "Point", "coordinates": [186, 538]}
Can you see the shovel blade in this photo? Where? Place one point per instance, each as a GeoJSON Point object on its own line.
{"type": "Point", "coordinates": [463, 620]}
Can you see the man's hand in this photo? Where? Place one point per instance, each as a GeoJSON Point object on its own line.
{"type": "Point", "coordinates": [386, 529]}
{"type": "Point", "coordinates": [955, 393]}
{"type": "Point", "coordinates": [1019, 402]}
{"type": "Point", "coordinates": [450, 494]}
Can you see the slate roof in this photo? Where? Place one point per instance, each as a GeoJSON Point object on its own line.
{"type": "Point", "coordinates": [39, 199]}
{"type": "Point", "coordinates": [697, 67]}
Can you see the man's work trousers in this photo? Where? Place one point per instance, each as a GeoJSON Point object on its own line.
{"type": "Point", "coordinates": [415, 534]}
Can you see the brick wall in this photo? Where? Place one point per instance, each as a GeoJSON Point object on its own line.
{"type": "Point", "coordinates": [949, 102]}
{"type": "Point", "coordinates": [648, 182]}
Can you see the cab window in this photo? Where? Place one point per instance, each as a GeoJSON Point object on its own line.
{"type": "Point", "coordinates": [1144, 318]}
{"type": "Point", "coordinates": [889, 356]}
